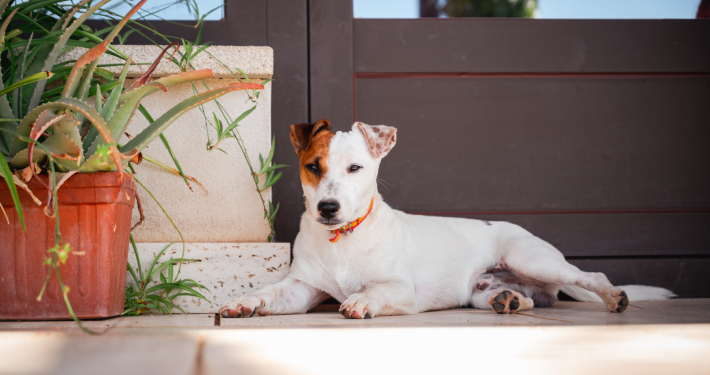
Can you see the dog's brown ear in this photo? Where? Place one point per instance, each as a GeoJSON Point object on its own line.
{"type": "Point", "coordinates": [302, 134]}
{"type": "Point", "coordinates": [380, 138]}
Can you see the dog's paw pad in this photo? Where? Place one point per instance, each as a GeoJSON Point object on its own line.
{"type": "Point", "coordinates": [622, 301]}
{"type": "Point", "coordinates": [357, 307]}
{"type": "Point", "coordinates": [505, 302]}
{"type": "Point", "coordinates": [352, 313]}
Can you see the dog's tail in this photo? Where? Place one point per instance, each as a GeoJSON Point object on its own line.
{"type": "Point", "coordinates": [634, 292]}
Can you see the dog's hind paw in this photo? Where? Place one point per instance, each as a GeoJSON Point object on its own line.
{"type": "Point", "coordinates": [509, 302]}
{"type": "Point", "coordinates": [618, 302]}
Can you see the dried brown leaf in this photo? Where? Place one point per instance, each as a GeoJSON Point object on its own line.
{"type": "Point", "coordinates": [143, 79]}
{"type": "Point", "coordinates": [24, 187]}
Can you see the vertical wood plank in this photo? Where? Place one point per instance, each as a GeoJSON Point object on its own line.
{"type": "Point", "coordinates": [287, 34]}
{"type": "Point", "coordinates": [331, 54]}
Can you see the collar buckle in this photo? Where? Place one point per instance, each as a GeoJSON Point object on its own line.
{"type": "Point", "coordinates": [351, 225]}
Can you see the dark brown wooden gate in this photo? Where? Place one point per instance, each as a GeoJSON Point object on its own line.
{"type": "Point", "coordinates": [594, 135]}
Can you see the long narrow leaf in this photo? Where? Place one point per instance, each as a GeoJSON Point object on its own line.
{"type": "Point", "coordinates": [149, 271]}
{"type": "Point", "coordinates": [99, 100]}
{"type": "Point", "coordinates": [112, 100]}
{"type": "Point", "coordinates": [4, 27]}
{"type": "Point", "coordinates": [17, 96]}
{"type": "Point", "coordinates": [165, 301]}
{"type": "Point", "coordinates": [107, 111]}
{"type": "Point", "coordinates": [29, 80]}
{"type": "Point", "coordinates": [3, 5]}
{"type": "Point", "coordinates": [240, 118]}
{"type": "Point", "coordinates": [166, 264]}
{"type": "Point", "coordinates": [57, 49]}
{"type": "Point", "coordinates": [272, 168]}
{"type": "Point", "coordinates": [174, 171]}
{"type": "Point", "coordinates": [133, 274]}
{"type": "Point", "coordinates": [154, 129]}
{"type": "Point", "coordinates": [167, 145]}
{"type": "Point", "coordinates": [7, 174]}
{"type": "Point", "coordinates": [5, 109]}
{"type": "Point", "coordinates": [177, 286]}
{"type": "Point", "coordinates": [271, 181]}
{"type": "Point", "coordinates": [138, 258]}
{"type": "Point", "coordinates": [85, 86]}
{"type": "Point", "coordinates": [271, 151]}
{"type": "Point", "coordinates": [145, 77]}
{"type": "Point", "coordinates": [119, 120]}
{"type": "Point", "coordinates": [172, 80]}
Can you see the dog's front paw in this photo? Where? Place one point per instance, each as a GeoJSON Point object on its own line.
{"type": "Point", "coordinates": [358, 306]}
{"type": "Point", "coordinates": [244, 307]}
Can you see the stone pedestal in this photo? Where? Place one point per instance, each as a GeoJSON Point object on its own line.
{"type": "Point", "coordinates": [222, 221]}
{"type": "Point", "coordinates": [227, 271]}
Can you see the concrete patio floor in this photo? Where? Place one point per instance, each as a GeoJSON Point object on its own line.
{"type": "Point", "coordinates": [655, 337]}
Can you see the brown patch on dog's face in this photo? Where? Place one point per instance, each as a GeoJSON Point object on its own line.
{"type": "Point", "coordinates": [313, 161]}
{"type": "Point", "coordinates": [312, 143]}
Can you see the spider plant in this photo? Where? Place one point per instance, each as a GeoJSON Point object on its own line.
{"type": "Point", "coordinates": [142, 296]}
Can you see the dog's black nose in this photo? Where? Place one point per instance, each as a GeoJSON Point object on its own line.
{"type": "Point", "coordinates": [328, 209]}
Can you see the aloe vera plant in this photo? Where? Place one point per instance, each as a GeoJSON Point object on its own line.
{"type": "Point", "coordinates": [70, 117]}
{"type": "Point", "coordinates": [57, 124]}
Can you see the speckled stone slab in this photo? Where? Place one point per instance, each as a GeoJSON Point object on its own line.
{"type": "Point", "coordinates": [228, 270]}
{"type": "Point", "coordinates": [256, 62]}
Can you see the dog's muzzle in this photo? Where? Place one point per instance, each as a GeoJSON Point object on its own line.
{"type": "Point", "coordinates": [328, 209]}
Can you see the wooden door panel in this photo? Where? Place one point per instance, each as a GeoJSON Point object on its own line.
{"type": "Point", "coordinates": [686, 277]}
{"type": "Point", "coordinates": [615, 234]}
{"type": "Point", "coordinates": [525, 45]}
{"type": "Point", "coordinates": [543, 143]}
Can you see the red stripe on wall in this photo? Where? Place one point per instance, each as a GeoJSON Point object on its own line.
{"type": "Point", "coordinates": [565, 212]}
{"type": "Point", "coordinates": [526, 75]}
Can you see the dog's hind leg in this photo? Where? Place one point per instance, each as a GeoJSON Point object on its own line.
{"type": "Point", "coordinates": [534, 259]}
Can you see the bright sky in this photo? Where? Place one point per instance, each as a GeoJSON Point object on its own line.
{"type": "Point", "coordinates": [169, 9]}
{"type": "Point", "coordinates": [624, 9]}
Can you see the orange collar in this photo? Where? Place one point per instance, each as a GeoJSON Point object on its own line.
{"type": "Point", "coordinates": [351, 225]}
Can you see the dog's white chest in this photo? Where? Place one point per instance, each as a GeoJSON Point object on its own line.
{"type": "Point", "coordinates": [346, 275]}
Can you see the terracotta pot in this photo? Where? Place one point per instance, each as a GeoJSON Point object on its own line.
{"type": "Point", "coordinates": [95, 218]}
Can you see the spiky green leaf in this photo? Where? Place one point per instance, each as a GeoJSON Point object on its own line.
{"type": "Point", "coordinates": [7, 175]}
{"type": "Point", "coordinates": [162, 123]}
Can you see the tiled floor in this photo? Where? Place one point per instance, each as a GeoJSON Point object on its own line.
{"type": "Point", "coordinates": [664, 337]}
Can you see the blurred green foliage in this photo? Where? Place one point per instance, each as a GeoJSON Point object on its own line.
{"type": "Point", "coordinates": [482, 8]}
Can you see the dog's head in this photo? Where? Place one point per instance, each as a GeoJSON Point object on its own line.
{"type": "Point", "coordinates": [339, 170]}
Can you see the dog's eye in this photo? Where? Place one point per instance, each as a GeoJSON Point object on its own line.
{"type": "Point", "coordinates": [313, 168]}
{"type": "Point", "coordinates": [354, 168]}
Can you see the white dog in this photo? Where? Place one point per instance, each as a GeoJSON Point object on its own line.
{"type": "Point", "coordinates": [379, 261]}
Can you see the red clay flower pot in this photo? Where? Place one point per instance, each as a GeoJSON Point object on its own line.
{"type": "Point", "coordinates": [95, 218]}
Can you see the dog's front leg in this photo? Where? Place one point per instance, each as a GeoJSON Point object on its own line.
{"type": "Point", "coordinates": [390, 298]}
{"type": "Point", "coordinates": [288, 296]}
